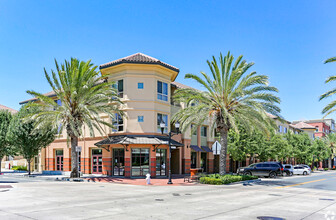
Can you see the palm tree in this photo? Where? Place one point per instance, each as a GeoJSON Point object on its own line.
{"type": "Point", "coordinates": [330, 108]}
{"type": "Point", "coordinates": [84, 95]}
{"type": "Point", "coordinates": [330, 140]}
{"type": "Point", "coordinates": [231, 97]}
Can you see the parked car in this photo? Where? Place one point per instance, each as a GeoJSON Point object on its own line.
{"type": "Point", "coordinates": [269, 169]}
{"type": "Point", "coordinates": [288, 169]}
{"type": "Point", "coordinates": [301, 170]}
{"type": "Point", "coordinates": [305, 166]}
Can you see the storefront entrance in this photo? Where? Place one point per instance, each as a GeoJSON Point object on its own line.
{"type": "Point", "coordinates": [118, 162]}
{"type": "Point", "coordinates": [193, 159]}
{"type": "Point", "coordinates": [59, 160]}
{"type": "Point", "coordinates": [97, 161]}
{"type": "Point", "coordinates": [161, 158]}
{"type": "Point", "coordinates": [204, 161]}
{"type": "Point", "coordinates": [140, 162]}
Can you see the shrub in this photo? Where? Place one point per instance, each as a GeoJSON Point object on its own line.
{"type": "Point", "coordinates": [325, 169]}
{"type": "Point", "coordinates": [210, 180]}
{"type": "Point", "coordinates": [22, 168]}
{"type": "Point", "coordinates": [216, 179]}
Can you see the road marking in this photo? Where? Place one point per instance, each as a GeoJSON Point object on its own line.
{"type": "Point", "coordinates": [298, 184]}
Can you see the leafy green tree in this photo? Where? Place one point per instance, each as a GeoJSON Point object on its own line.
{"type": "Point", "coordinates": [232, 97]}
{"type": "Point", "coordinates": [25, 138]}
{"type": "Point", "coordinates": [84, 96]}
{"type": "Point", "coordinates": [279, 148]}
{"type": "Point", "coordinates": [237, 143]}
{"type": "Point", "coordinates": [5, 118]}
{"type": "Point", "coordinates": [321, 150]}
{"type": "Point", "coordinates": [330, 108]}
{"type": "Point", "coordinates": [301, 146]}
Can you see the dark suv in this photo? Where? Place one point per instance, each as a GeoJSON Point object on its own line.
{"type": "Point", "coordinates": [271, 169]}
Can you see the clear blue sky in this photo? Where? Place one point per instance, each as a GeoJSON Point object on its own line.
{"type": "Point", "coordinates": [287, 40]}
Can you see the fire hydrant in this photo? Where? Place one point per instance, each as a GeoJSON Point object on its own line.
{"type": "Point", "coordinates": [148, 179]}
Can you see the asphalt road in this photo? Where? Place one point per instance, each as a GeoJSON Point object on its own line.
{"type": "Point", "coordinates": [298, 197]}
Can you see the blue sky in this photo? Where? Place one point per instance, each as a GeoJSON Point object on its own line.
{"type": "Point", "coordinates": [287, 40]}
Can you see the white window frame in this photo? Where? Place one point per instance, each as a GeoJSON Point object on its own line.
{"type": "Point", "coordinates": [161, 95]}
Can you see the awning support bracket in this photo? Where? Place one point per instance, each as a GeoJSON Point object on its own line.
{"type": "Point", "coordinates": [106, 147]}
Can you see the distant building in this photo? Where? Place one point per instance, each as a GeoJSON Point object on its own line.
{"type": "Point", "coordinates": [283, 126]}
{"type": "Point", "coordinates": [2, 107]}
{"type": "Point", "coordinates": [309, 129]}
{"type": "Point", "coordinates": [322, 126]}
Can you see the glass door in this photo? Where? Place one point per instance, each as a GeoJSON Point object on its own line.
{"type": "Point", "coordinates": [161, 157]}
{"type": "Point", "coordinates": [97, 161]}
{"type": "Point", "coordinates": [140, 161]}
{"type": "Point", "coordinates": [193, 159]}
{"type": "Point", "coordinates": [59, 160]}
{"type": "Point", "coordinates": [118, 162]}
{"type": "Point", "coordinates": [204, 161]}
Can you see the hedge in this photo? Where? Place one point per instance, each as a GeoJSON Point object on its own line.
{"type": "Point", "coordinates": [216, 179]}
{"type": "Point", "coordinates": [23, 168]}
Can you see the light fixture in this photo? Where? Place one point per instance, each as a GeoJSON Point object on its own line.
{"type": "Point", "coordinates": [177, 126]}
{"type": "Point", "coordinates": [162, 126]}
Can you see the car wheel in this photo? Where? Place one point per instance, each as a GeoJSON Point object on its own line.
{"type": "Point", "coordinates": [288, 173]}
{"type": "Point", "coordinates": [291, 174]}
{"type": "Point", "coordinates": [305, 173]}
{"type": "Point", "coordinates": [247, 173]}
{"type": "Point", "coordinates": [272, 174]}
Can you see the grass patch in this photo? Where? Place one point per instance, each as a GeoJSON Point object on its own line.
{"type": "Point", "coordinates": [216, 179]}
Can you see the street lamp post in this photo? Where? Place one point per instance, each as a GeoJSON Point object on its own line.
{"type": "Point", "coordinates": [170, 135]}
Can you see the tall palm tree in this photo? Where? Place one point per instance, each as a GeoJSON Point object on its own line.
{"type": "Point", "coordinates": [330, 140]}
{"type": "Point", "coordinates": [330, 108]}
{"type": "Point", "coordinates": [83, 96]}
{"type": "Point", "coordinates": [231, 97]}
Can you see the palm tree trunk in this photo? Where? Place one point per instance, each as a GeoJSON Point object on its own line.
{"type": "Point", "coordinates": [74, 158]}
{"type": "Point", "coordinates": [223, 152]}
{"type": "Point", "coordinates": [329, 162]}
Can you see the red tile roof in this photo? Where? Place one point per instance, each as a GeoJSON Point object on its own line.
{"type": "Point", "coordinates": [49, 94]}
{"type": "Point", "coordinates": [2, 107]}
{"type": "Point", "coordinates": [303, 125]}
{"type": "Point", "coordinates": [138, 58]}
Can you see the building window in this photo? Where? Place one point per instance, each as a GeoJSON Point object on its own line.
{"type": "Point", "coordinates": [118, 123]}
{"type": "Point", "coordinates": [162, 91]}
{"type": "Point", "coordinates": [140, 85]}
{"type": "Point", "coordinates": [317, 128]}
{"type": "Point", "coordinates": [285, 130]}
{"type": "Point", "coordinates": [119, 86]}
{"type": "Point", "coordinates": [203, 131]}
{"type": "Point", "coordinates": [141, 118]}
{"type": "Point", "coordinates": [160, 118]}
{"type": "Point", "coordinates": [280, 128]}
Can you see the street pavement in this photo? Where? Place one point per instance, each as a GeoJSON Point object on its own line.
{"type": "Point", "coordinates": [297, 197]}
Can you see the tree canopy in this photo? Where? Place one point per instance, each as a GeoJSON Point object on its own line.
{"type": "Point", "coordinates": [25, 138]}
{"type": "Point", "coordinates": [5, 149]}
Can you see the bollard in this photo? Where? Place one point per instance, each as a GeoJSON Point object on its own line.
{"type": "Point", "coordinates": [148, 179]}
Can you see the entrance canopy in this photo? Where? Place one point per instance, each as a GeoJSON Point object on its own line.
{"type": "Point", "coordinates": [138, 139]}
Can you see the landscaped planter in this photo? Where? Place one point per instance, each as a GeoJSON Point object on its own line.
{"type": "Point", "coordinates": [216, 179]}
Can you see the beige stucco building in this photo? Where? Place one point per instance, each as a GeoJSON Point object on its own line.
{"type": "Point", "coordinates": [136, 146]}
